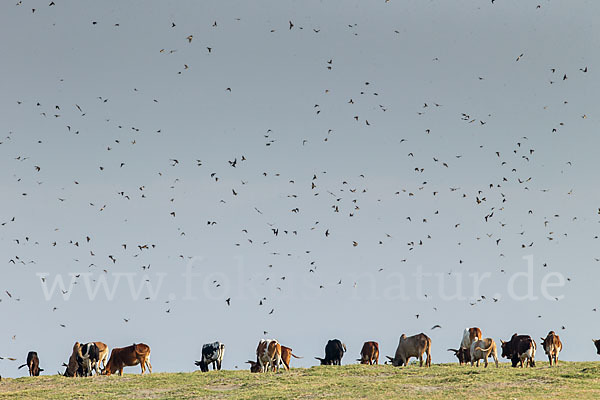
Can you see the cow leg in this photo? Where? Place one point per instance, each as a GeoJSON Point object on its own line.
{"type": "Point", "coordinates": [485, 362]}
{"type": "Point", "coordinates": [420, 361]}
{"type": "Point", "coordinates": [219, 365]}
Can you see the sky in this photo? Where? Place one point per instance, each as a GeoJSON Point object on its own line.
{"type": "Point", "coordinates": [352, 170]}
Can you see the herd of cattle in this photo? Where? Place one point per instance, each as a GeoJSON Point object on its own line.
{"type": "Point", "coordinates": [270, 354]}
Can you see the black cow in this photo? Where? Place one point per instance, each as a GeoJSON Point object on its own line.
{"type": "Point", "coordinates": [597, 344]}
{"type": "Point", "coordinates": [88, 358]}
{"type": "Point", "coordinates": [519, 349]}
{"type": "Point", "coordinates": [463, 354]}
{"type": "Point", "coordinates": [334, 351]}
{"type": "Point", "coordinates": [212, 353]}
{"type": "Point", "coordinates": [33, 363]}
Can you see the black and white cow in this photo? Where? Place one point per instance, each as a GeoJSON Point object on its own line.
{"type": "Point", "coordinates": [212, 353]}
{"type": "Point", "coordinates": [88, 358]}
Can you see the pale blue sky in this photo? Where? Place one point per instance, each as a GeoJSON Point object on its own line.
{"type": "Point", "coordinates": [283, 103]}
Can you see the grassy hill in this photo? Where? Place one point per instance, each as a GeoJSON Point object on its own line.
{"type": "Point", "coordinates": [570, 380]}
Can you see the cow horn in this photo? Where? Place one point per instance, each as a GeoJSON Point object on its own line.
{"type": "Point", "coordinates": [391, 359]}
{"type": "Point", "coordinates": [249, 362]}
{"type": "Point", "coordinates": [455, 351]}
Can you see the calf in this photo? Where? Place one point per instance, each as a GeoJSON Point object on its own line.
{"type": "Point", "coordinates": [369, 353]}
{"type": "Point", "coordinates": [212, 353]}
{"type": "Point", "coordinates": [483, 349]}
{"type": "Point", "coordinates": [334, 351]}
{"type": "Point", "coordinates": [286, 356]}
{"type": "Point", "coordinates": [414, 346]}
{"type": "Point", "coordinates": [552, 346]}
{"type": "Point", "coordinates": [128, 357]}
{"type": "Point", "coordinates": [33, 363]}
{"type": "Point", "coordinates": [268, 353]}
{"type": "Point", "coordinates": [519, 349]}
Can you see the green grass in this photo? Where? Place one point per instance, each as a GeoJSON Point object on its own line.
{"type": "Point", "coordinates": [569, 380]}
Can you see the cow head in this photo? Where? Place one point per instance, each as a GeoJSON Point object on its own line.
{"type": "Point", "coordinates": [597, 343]}
{"type": "Point", "coordinates": [463, 354]}
{"type": "Point", "coordinates": [203, 366]}
{"type": "Point", "coordinates": [323, 361]}
{"type": "Point", "coordinates": [254, 366]}
{"type": "Point", "coordinates": [506, 349]}
{"type": "Point", "coordinates": [395, 362]}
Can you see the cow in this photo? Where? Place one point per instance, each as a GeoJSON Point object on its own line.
{"type": "Point", "coordinates": [88, 357]}
{"type": "Point", "coordinates": [128, 357]}
{"type": "Point", "coordinates": [519, 349]}
{"type": "Point", "coordinates": [102, 356]}
{"type": "Point", "coordinates": [469, 336]}
{"type": "Point", "coordinates": [334, 351]}
{"type": "Point", "coordinates": [597, 344]}
{"type": "Point", "coordinates": [483, 349]}
{"type": "Point", "coordinates": [286, 356]}
{"type": "Point", "coordinates": [74, 369]}
{"type": "Point", "coordinates": [463, 355]}
{"type": "Point", "coordinates": [413, 346]}
{"type": "Point", "coordinates": [369, 353]}
{"type": "Point", "coordinates": [212, 353]}
{"type": "Point", "coordinates": [268, 353]}
{"type": "Point", "coordinates": [33, 363]}
{"type": "Point", "coordinates": [552, 346]}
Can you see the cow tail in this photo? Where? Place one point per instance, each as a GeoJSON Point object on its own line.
{"type": "Point", "coordinates": [344, 346]}
{"type": "Point", "coordinates": [428, 351]}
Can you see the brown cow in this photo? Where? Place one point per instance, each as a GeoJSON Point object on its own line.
{"type": "Point", "coordinates": [369, 353]}
{"type": "Point", "coordinates": [552, 346]}
{"type": "Point", "coordinates": [413, 346]}
{"type": "Point", "coordinates": [286, 356]}
{"type": "Point", "coordinates": [33, 363]}
{"type": "Point", "coordinates": [128, 357]}
{"type": "Point", "coordinates": [483, 349]}
{"type": "Point", "coordinates": [268, 353]}
{"type": "Point", "coordinates": [469, 336]}
{"type": "Point", "coordinates": [73, 369]}
{"type": "Point", "coordinates": [102, 355]}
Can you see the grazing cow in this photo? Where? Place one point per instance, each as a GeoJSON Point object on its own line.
{"type": "Point", "coordinates": [128, 357]}
{"type": "Point", "coordinates": [413, 346]}
{"type": "Point", "coordinates": [482, 350]}
{"type": "Point", "coordinates": [369, 353]}
{"type": "Point", "coordinates": [597, 344]}
{"type": "Point", "coordinates": [73, 369]}
{"type": "Point", "coordinates": [334, 351]}
{"type": "Point", "coordinates": [519, 349]}
{"type": "Point", "coordinates": [88, 357]}
{"type": "Point", "coordinates": [33, 363]}
{"type": "Point", "coordinates": [286, 356]}
{"type": "Point", "coordinates": [552, 346]}
{"type": "Point", "coordinates": [212, 353]}
{"type": "Point", "coordinates": [268, 353]}
{"type": "Point", "coordinates": [463, 355]}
